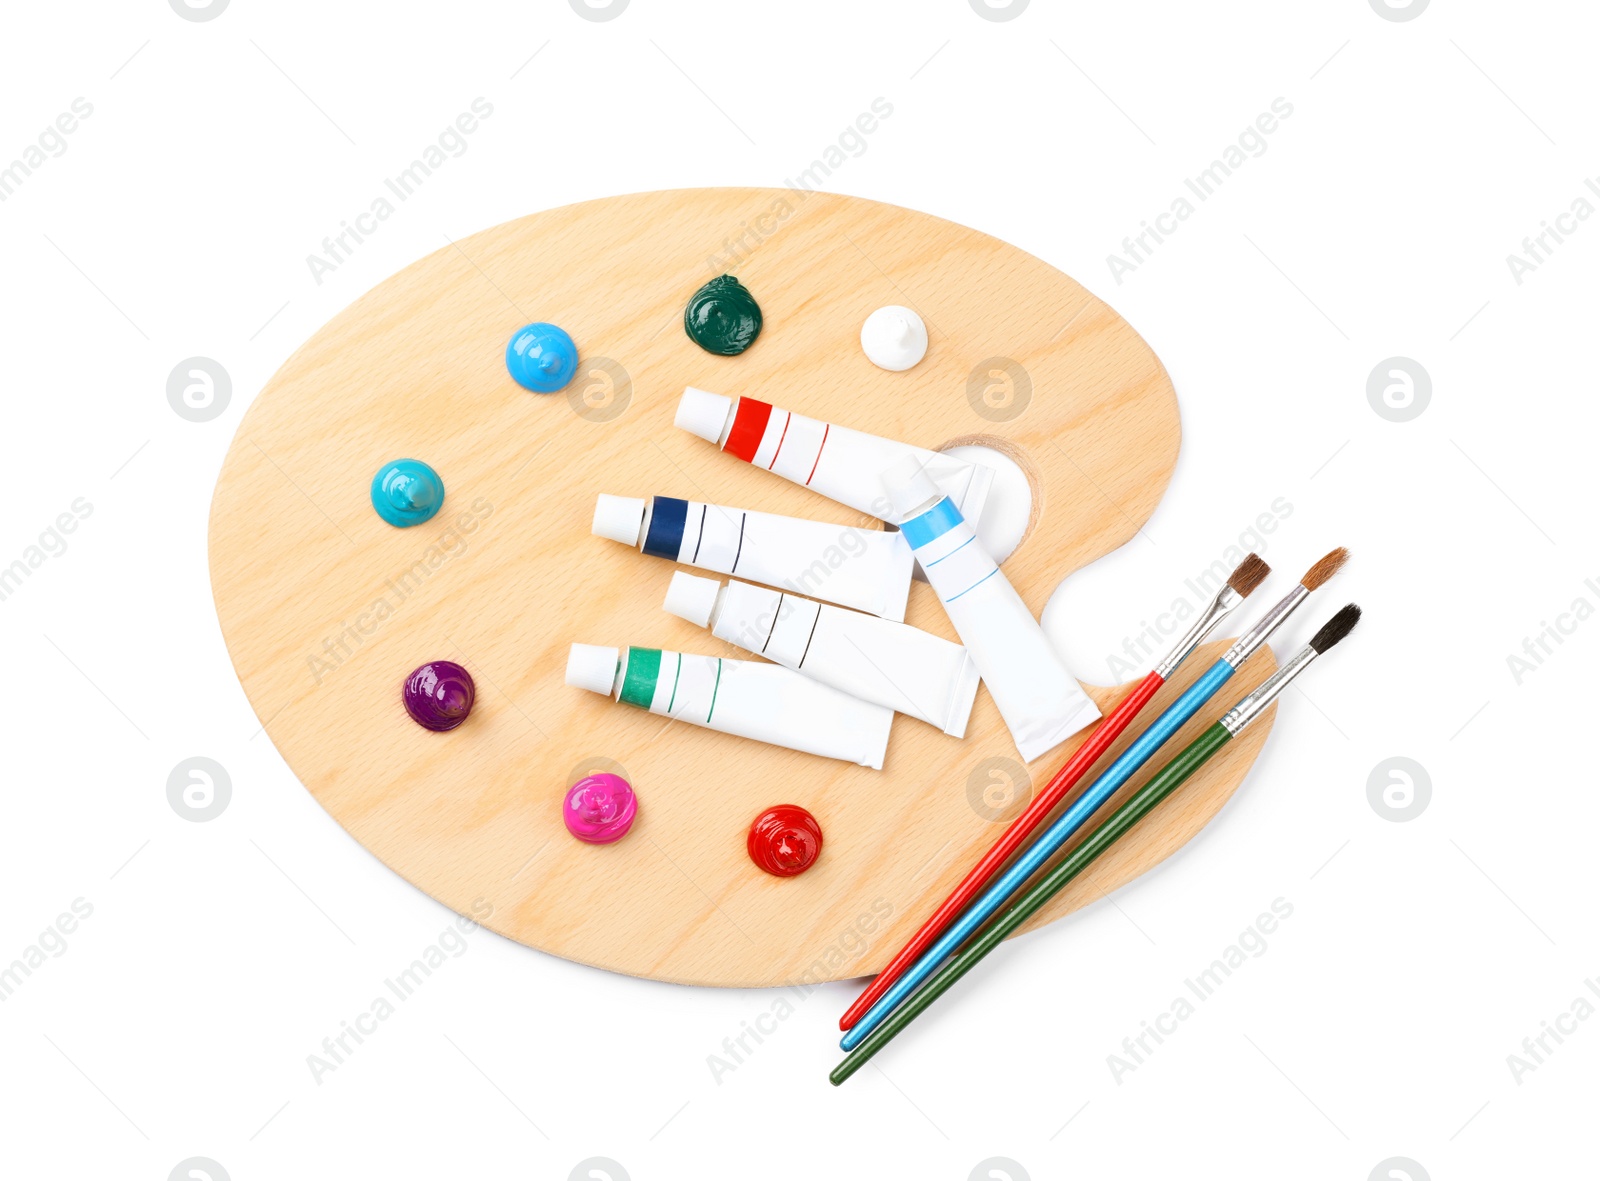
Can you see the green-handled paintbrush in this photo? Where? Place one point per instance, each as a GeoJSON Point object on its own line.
{"type": "Point", "coordinates": [1162, 784]}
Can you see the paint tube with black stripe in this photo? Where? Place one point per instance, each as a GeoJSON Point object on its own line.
{"type": "Point", "coordinates": [892, 664]}
{"type": "Point", "coordinates": [749, 698]}
{"type": "Point", "coordinates": [835, 461]}
{"type": "Point", "coordinates": [1037, 697]}
{"type": "Point", "coordinates": [867, 569]}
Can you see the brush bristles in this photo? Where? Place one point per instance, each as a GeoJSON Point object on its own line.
{"type": "Point", "coordinates": [1249, 574]}
{"type": "Point", "coordinates": [1325, 568]}
{"type": "Point", "coordinates": [1337, 628]}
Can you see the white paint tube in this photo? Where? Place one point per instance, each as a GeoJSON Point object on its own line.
{"type": "Point", "coordinates": [1041, 703]}
{"type": "Point", "coordinates": [877, 660]}
{"type": "Point", "coordinates": [840, 463]}
{"type": "Point", "coordinates": [750, 698]}
{"type": "Point", "coordinates": [868, 569]}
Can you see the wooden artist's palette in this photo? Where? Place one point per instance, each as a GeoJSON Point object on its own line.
{"type": "Point", "coordinates": [326, 608]}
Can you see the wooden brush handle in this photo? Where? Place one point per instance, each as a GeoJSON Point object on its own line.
{"type": "Point", "coordinates": [1098, 742]}
{"type": "Point", "coordinates": [1162, 784]}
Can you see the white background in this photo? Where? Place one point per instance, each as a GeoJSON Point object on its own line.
{"type": "Point", "coordinates": [1378, 1022]}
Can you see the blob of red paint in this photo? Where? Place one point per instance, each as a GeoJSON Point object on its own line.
{"type": "Point", "coordinates": [785, 840]}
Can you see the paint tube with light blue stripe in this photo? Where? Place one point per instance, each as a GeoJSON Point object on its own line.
{"type": "Point", "coordinates": [1041, 703]}
{"type": "Point", "coordinates": [749, 698]}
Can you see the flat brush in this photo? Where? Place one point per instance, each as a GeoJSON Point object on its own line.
{"type": "Point", "coordinates": [1241, 582]}
{"type": "Point", "coordinates": [1162, 784]}
{"type": "Point", "coordinates": [1139, 752]}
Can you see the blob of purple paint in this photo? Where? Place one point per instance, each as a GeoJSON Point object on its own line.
{"type": "Point", "coordinates": [600, 808]}
{"type": "Point", "coordinates": [439, 695]}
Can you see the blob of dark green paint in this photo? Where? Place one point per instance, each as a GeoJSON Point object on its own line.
{"type": "Point", "coordinates": [723, 317]}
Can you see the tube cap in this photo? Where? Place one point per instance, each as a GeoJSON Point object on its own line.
{"type": "Point", "coordinates": [592, 667]}
{"type": "Point", "coordinates": [621, 518]}
{"type": "Point", "coordinates": [909, 486]}
{"type": "Point", "coordinates": [703, 413]}
{"type": "Point", "coordinates": [691, 597]}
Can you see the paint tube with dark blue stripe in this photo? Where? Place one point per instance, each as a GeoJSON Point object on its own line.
{"type": "Point", "coordinates": [867, 569]}
{"type": "Point", "coordinates": [747, 698]}
{"type": "Point", "coordinates": [1039, 700]}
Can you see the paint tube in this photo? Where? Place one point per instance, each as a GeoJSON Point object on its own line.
{"type": "Point", "coordinates": [1041, 704]}
{"type": "Point", "coordinates": [840, 463]}
{"type": "Point", "coordinates": [749, 698]}
{"type": "Point", "coordinates": [877, 660]}
{"type": "Point", "coordinates": [868, 569]}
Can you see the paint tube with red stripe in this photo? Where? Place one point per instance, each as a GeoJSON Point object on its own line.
{"type": "Point", "coordinates": [840, 463]}
{"type": "Point", "coordinates": [748, 698]}
{"type": "Point", "coordinates": [868, 569]}
{"type": "Point", "coordinates": [1040, 702]}
{"type": "Point", "coordinates": [893, 664]}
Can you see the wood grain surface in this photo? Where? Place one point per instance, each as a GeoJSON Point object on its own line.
{"type": "Point", "coordinates": [326, 609]}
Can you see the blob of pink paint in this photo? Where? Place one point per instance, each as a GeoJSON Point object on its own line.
{"type": "Point", "coordinates": [600, 808]}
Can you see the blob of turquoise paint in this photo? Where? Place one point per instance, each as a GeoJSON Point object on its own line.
{"type": "Point", "coordinates": [407, 492]}
{"type": "Point", "coordinates": [542, 358]}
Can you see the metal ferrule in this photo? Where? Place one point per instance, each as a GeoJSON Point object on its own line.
{"type": "Point", "coordinates": [1250, 708]}
{"type": "Point", "coordinates": [1227, 599]}
{"type": "Point", "coordinates": [1269, 623]}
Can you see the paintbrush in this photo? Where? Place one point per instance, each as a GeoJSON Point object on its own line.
{"type": "Point", "coordinates": [1168, 723]}
{"type": "Point", "coordinates": [1162, 784]}
{"type": "Point", "coordinates": [1241, 582]}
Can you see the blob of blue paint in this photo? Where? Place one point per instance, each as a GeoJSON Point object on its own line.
{"type": "Point", "coordinates": [407, 492]}
{"type": "Point", "coordinates": [542, 358]}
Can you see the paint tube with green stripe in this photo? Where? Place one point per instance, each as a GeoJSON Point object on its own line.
{"type": "Point", "coordinates": [749, 698]}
